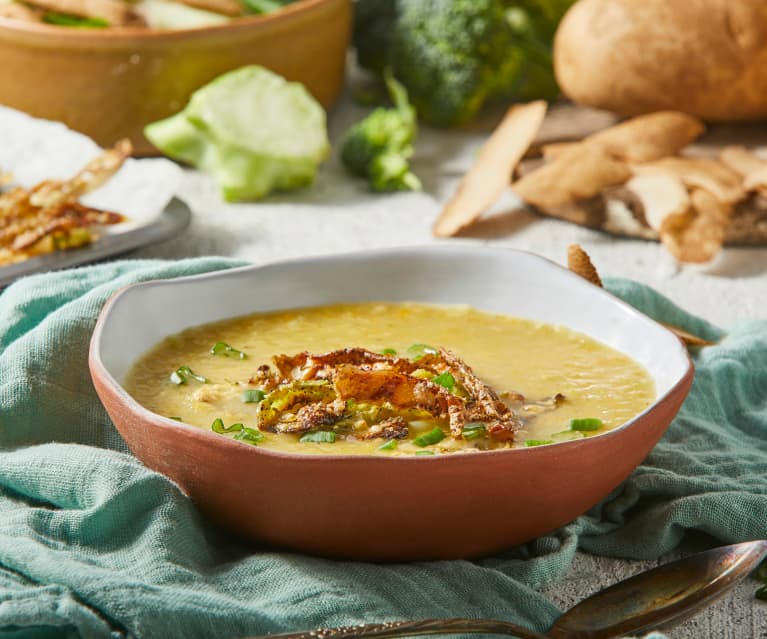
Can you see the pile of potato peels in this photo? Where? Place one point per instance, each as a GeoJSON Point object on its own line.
{"type": "Point", "coordinates": [630, 179]}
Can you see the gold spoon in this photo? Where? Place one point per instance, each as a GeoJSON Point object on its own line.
{"type": "Point", "coordinates": [647, 601]}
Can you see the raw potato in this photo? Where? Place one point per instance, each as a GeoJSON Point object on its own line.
{"type": "Point", "coordinates": [707, 58]}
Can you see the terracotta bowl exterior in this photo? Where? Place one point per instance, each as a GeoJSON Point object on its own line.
{"type": "Point", "coordinates": [374, 507]}
{"type": "Point", "coordinates": [110, 83]}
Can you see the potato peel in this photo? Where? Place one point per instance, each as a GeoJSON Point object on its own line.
{"type": "Point", "coordinates": [577, 173]}
{"type": "Point", "coordinates": [579, 262]}
{"type": "Point", "coordinates": [492, 171]}
{"type": "Point", "coordinates": [697, 235]}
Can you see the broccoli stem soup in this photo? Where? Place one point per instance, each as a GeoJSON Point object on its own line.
{"type": "Point", "coordinates": [390, 379]}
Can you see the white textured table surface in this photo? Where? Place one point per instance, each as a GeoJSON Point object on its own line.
{"type": "Point", "coordinates": [339, 214]}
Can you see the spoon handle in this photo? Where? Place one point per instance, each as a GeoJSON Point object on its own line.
{"type": "Point", "coordinates": [393, 629]}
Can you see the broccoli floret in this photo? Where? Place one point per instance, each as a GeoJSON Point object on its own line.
{"type": "Point", "coordinates": [378, 147]}
{"type": "Point", "coordinates": [447, 52]}
{"type": "Point", "coordinates": [453, 55]}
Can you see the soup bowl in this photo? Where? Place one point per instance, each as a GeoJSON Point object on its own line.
{"type": "Point", "coordinates": [374, 507]}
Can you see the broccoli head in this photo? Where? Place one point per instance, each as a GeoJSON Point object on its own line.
{"type": "Point", "coordinates": [453, 55]}
{"type": "Point", "coordinates": [447, 52]}
{"type": "Point", "coordinates": [379, 146]}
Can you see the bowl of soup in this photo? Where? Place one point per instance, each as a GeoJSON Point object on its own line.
{"type": "Point", "coordinates": [406, 404]}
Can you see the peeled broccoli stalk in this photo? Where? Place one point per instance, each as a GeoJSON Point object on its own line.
{"type": "Point", "coordinates": [251, 130]}
{"type": "Point", "coordinates": [378, 147]}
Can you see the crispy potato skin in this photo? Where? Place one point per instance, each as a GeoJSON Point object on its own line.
{"type": "Point", "coordinates": [707, 58]}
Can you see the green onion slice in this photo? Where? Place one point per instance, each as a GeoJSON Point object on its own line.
{"type": "Point", "coordinates": [249, 435]}
{"type": "Point", "coordinates": [474, 430]}
{"type": "Point", "coordinates": [586, 423]}
{"type": "Point", "coordinates": [67, 20]}
{"type": "Point", "coordinates": [222, 348]}
{"type": "Point", "coordinates": [183, 374]}
{"type": "Point", "coordinates": [319, 437]}
{"type": "Point", "coordinates": [434, 436]}
{"type": "Point", "coordinates": [424, 452]}
{"type": "Point", "coordinates": [218, 427]}
{"type": "Point", "coordinates": [389, 351]}
{"type": "Point", "coordinates": [417, 351]}
{"type": "Point", "coordinates": [175, 418]}
{"type": "Point", "coordinates": [538, 442]}
{"type": "Point", "coordinates": [252, 396]}
{"type": "Point", "coordinates": [390, 445]}
{"type": "Point", "coordinates": [446, 380]}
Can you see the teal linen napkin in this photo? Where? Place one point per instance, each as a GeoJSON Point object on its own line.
{"type": "Point", "coordinates": [94, 545]}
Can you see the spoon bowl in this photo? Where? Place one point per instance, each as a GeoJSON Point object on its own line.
{"type": "Point", "coordinates": [652, 599]}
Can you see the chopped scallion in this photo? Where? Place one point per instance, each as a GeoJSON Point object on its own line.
{"type": "Point", "coordinates": [218, 427]}
{"type": "Point", "coordinates": [474, 430]}
{"type": "Point", "coordinates": [222, 348]}
{"type": "Point", "coordinates": [446, 380]}
{"type": "Point", "coordinates": [319, 437]}
{"type": "Point", "coordinates": [252, 396]}
{"type": "Point", "coordinates": [389, 351]}
{"type": "Point", "coordinates": [249, 435]}
{"type": "Point", "coordinates": [538, 442]}
{"type": "Point", "coordinates": [417, 351]}
{"type": "Point", "coordinates": [586, 423]}
{"type": "Point", "coordinates": [434, 436]}
{"type": "Point", "coordinates": [424, 452]}
{"type": "Point", "coordinates": [182, 375]}
{"type": "Point", "coordinates": [175, 418]}
{"type": "Point", "coordinates": [390, 445]}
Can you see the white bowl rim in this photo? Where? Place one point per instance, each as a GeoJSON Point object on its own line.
{"type": "Point", "coordinates": [111, 306]}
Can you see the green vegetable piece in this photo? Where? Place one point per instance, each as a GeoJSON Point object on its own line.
{"type": "Point", "coordinates": [424, 452]}
{"type": "Point", "coordinates": [285, 397]}
{"type": "Point", "coordinates": [389, 445]}
{"type": "Point", "coordinates": [218, 427]}
{"type": "Point", "coordinates": [446, 380]}
{"type": "Point", "coordinates": [319, 437]}
{"type": "Point", "coordinates": [761, 593]}
{"type": "Point", "coordinates": [586, 424]}
{"type": "Point", "coordinates": [761, 572]}
{"type": "Point", "coordinates": [222, 348]}
{"type": "Point", "coordinates": [183, 374]}
{"type": "Point", "coordinates": [249, 435]}
{"type": "Point", "coordinates": [474, 430]}
{"type": "Point", "coordinates": [538, 442]}
{"type": "Point", "coordinates": [380, 146]}
{"type": "Point", "coordinates": [252, 396]}
{"type": "Point", "coordinates": [389, 352]}
{"type": "Point", "coordinates": [175, 418]}
{"type": "Point", "coordinates": [417, 351]}
{"type": "Point", "coordinates": [264, 6]}
{"type": "Point", "coordinates": [434, 436]}
{"type": "Point", "coordinates": [67, 20]}
{"type": "Point", "coordinates": [253, 131]}
{"type": "Point", "coordinates": [453, 56]}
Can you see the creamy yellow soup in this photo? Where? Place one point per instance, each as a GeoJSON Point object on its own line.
{"type": "Point", "coordinates": [512, 355]}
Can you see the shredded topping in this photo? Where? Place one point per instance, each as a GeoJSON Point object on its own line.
{"type": "Point", "coordinates": [369, 395]}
